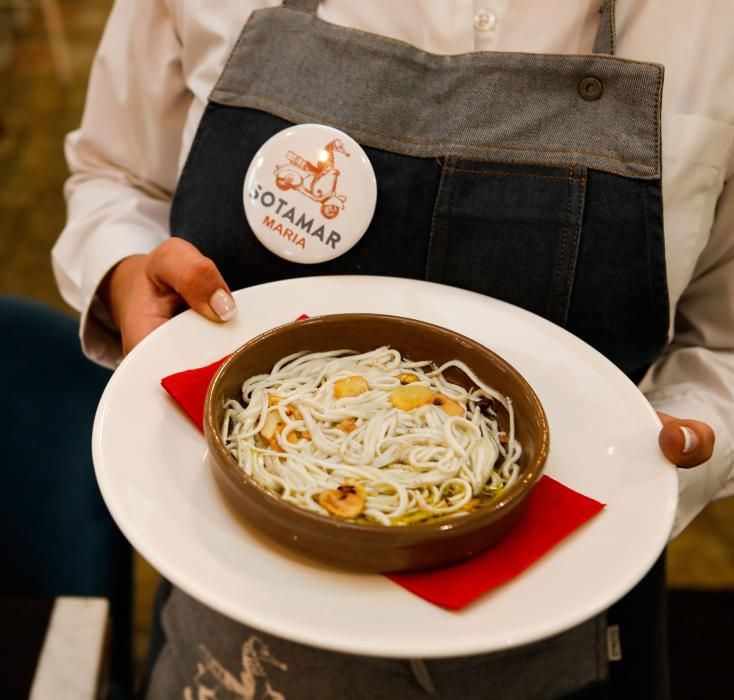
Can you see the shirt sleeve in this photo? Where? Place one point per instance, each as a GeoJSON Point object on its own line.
{"type": "Point", "coordinates": [695, 378]}
{"type": "Point", "coordinates": [123, 161]}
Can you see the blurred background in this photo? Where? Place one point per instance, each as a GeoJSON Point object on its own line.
{"type": "Point", "coordinates": [46, 49]}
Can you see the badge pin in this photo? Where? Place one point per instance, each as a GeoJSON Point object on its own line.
{"type": "Point", "coordinates": [309, 193]}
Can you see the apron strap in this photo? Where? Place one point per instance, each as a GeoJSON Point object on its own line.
{"type": "Point", "coordinates": [308, 6]}
{"type": "Point", "coordinates": [605, 41]}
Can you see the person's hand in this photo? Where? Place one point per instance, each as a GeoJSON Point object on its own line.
{"type": "Point", "coordinates": [143, 291]}
{"type": "Point", "coordinates": [686, 443]}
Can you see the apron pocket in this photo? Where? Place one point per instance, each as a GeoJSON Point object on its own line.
{"type": "Point", "coordinates": [580, 247]}
{"type": "Point", "coordinates": [510, 232]}
{"type": "Point", "coordinates": [619, 302]}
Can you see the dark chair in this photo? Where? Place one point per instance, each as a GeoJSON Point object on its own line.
{"type": "Point", "coordinates": [59, 535]}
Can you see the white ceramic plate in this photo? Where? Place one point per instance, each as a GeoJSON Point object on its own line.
{"type": "Point", "coordinates": [154, 474]}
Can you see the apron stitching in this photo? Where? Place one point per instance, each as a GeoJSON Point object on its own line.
{"type": "Point", "coordinates": [441, 144]}
{"type": "Point", "coordinates": [574, 246]}
{"type": "Point", "coordinates": [602, 658]}
{"type": "Point", "coordinates": [658, 121]}
{"type": "Point", "coordinates": [612, 28]}
{"type": "Point", "coordinates": [431, 239]}
{"type": "Point", "coordinates": [505, 173]}
{"type": "Point", "coordinates": [556, 303]}
{"type": "Point", "coordinates": [648, 262]}
{"type": "Point", "coordinates": [655, 291]}
{"type": "Point", "coordinates": [597, 656]}
{"type": "Point", "coordinates": [442, 242]}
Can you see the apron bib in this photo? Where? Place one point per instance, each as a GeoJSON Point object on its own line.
{"type": "Point", "coordinates": [535, 179]}
{"type": "Point", "coordinates": [530, 178]}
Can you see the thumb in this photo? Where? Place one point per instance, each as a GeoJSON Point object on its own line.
{"type": "Point", "coordinates": [686, 443]}
{"type": "Point", "coordinates": [178, 265]}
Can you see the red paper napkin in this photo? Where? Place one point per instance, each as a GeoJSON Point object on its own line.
{"type": "Point", "coordinates": [189, 389]}
{"type": "Point", "coordinates": [554, 512]}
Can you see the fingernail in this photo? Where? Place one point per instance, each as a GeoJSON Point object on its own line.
{"type": "Point", "coordinates": [690, 439]}
{"type": "Point", "coordinates": [223, 305]}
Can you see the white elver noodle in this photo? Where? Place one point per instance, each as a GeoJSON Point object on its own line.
{"type": "Point", "coordinates": [413, 465]}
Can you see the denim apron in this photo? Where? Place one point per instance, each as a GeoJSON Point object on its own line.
{"type": "Point", "coordinates": [531, 178]}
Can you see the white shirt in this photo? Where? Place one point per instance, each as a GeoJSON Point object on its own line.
{"type": "Point", "coordinates": [159, 59]}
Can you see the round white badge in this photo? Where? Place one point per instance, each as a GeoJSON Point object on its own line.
{"type": "Point", "coordinates": [309, 193]}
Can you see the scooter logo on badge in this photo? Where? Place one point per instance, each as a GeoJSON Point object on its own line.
{"type": "Point", "coordinates": [317, 182]}
{"type": "Point", "coordinates": [302, 184]}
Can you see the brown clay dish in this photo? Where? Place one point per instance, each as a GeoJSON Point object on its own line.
{"type": "Point", "coordinates": [375, 547]}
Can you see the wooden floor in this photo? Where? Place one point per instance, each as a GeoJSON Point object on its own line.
{"type": "Point", "coordinates": [35, 113]}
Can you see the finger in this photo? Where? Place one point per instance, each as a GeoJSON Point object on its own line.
{"type": "Point", "coordinates": [686, 443]}
{"type": "Point", "coordinates": [150, 314]}
{"type": "Point", "coordinates": [178, 265]}
{"type": "Point", "coordinates": [146, 308]}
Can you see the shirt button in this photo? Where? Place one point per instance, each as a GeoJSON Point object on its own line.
{"type": "Point", "coordinates": [485, 20]}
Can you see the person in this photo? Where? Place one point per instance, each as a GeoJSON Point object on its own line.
{"type": "Point", "coordinates": [527, 151]}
